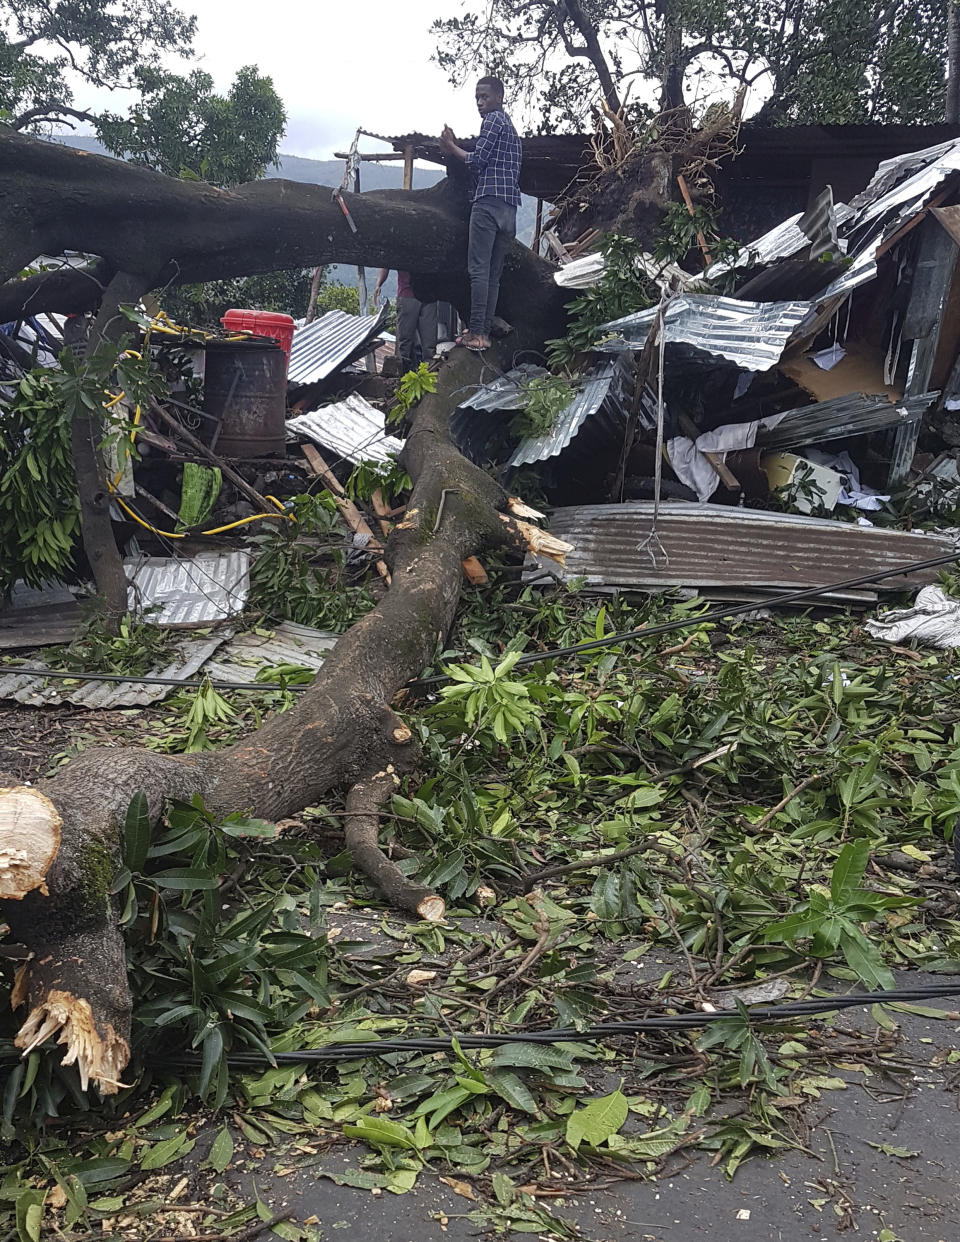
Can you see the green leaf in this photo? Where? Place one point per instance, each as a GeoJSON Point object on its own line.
{"type": "Point", "coordinates": [651, 1146]}
{"type": "Point", "coordinates": [29, 1214]}
{"type": "Point", "coordinates": [848, 871]}
{"type": "Point", "coordinates": [221, 1151]}
{"type": "Point", "coordinates": [186, 879]}
{"type": "Point", "coordinates": [212, 1056]}
{"type": "Point", "coordinates": [864, 958]}
{"type": "Point", "coordinates": [136, 832]}
{"type": "Point", "coordinates": [595, 1123]}
{"type": "Point", "coordinates": [167, 1151]}
{"type": "Point", "coordinates": [380, 1132]}
{"type": "Point", "coordinates": [512, 1089]}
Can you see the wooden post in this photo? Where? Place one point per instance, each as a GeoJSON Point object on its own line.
{"type": "Point", "coordinates": [689, 201]}
{"type": "Point", "coordinates": [933, 273]}
{"type": "Point", "coordinates": [408, 166]}
{"type": "Point", "coordinates": [351, 514]}
{"type": "Point", "coordinates": [538, 227]}
{"type": "Point", "coordinates": [315, 283]}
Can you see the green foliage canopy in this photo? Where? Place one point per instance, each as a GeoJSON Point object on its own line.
{"type": "Point", "coordinates": [816, 61]}
{"type": "Point", "coordinates": [181, 127]}
{"type": "Point", "coordinates": [41, 40]}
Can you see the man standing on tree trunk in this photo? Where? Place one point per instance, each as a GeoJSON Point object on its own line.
{"type": "Point", "coordinates": [495, 164]}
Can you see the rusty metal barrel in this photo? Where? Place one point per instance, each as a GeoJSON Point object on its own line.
{"type": "Point", "coordinates": [245, 387]}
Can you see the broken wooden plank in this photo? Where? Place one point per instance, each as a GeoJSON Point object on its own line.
{"type": "Point", "coordinates": [351, 514]}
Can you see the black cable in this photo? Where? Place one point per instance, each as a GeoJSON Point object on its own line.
{"type": "Point", "coordinates": [715, 614]}
{"type": "Point", "coordinates": [601, 1031]}
{"type": "Point", "coordinates": [534, 657]}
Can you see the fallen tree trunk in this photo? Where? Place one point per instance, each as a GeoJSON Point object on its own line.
{"type": "Point", "coordinates": [55, 199]}
{"type": "Point", "coordinates": [342, 733]}
{"type": "Point", "coordinates": [60, 844]}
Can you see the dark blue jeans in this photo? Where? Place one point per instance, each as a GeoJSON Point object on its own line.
{"type": "Point", "coordinates": [493, 226]}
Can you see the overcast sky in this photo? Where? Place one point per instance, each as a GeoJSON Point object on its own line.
{"type": "Point", "coordinates": [336, 64]}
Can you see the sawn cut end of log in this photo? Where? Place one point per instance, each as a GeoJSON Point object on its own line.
{"type": "Point", "coordinates": [342, 733]}
{"type": "Point", "coordinates": [29, 841]}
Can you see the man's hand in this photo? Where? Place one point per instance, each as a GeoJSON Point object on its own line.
{"type": "Point", "coordinates": [448, 140]}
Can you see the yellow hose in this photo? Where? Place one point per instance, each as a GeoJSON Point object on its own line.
{"type": "Point", "coordinates": [112, 485]}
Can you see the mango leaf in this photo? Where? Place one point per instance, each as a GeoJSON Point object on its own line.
{"type": "Point", "coordinates": [864, 958]}
{"type": "Point", "coordinates": [512, 1089]}
{"type": "Point", "coordinates": [380, 1132]}
{"type": "Point", "coordinates": [221, 1151]}
{"type": "Point", "coordinates": [595, 1123]}
{"type": "Point", "coordinates": [29, 1214]}
{"type": "Point", "coordinates": [848, 871]}
{"type": "Point", "coordinates": [136, 832]}
{"type": "Point", "coordinates": [167, 1151]}
{"type": "Point", "coordinates": [651, 1146]}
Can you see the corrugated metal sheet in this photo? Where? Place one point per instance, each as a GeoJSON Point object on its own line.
{"type": "Point", "coordinates": [481, 433]}
{"type": "Point", "coordinates": [901, 186]}
{"type": "Point", "coordinates": [187, 592]}
{"type": "Point", "coordinates": [289, 643]}
{"type": "Point", "coordinates": [852, 415]}
{"type": "Point", "coordinates": [354, 429]}
{"type": "Point", "coordinates": [587, 271]}
{"type": "Point", "coordinates": [36, 691]}
{"type": "Point", "coordinates": [749, 551]}
{"type": "Point", "coordinates": [751, 334]}
{"type": "Point", "coordinates": [237, 659]}
{"type": "Point", "coordinates": [504, 393]}
{"type": "Point", "coordinates": [319, 348]}
{"type": "Point", "coordinates": [605, 383]}
{"type": "Point", "coordinates": [899, 190]}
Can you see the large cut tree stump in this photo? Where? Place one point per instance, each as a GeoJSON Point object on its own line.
{"type": "Point", "coordinates": [60, 843]}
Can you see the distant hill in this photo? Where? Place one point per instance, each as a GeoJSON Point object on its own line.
{"type": "Point", "coordinates": [387, 176]}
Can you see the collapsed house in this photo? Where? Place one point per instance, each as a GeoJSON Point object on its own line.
{"type": "Point", "coordinates": [768, 437]}
{"type": "Point", "coordinates": [822, 382]}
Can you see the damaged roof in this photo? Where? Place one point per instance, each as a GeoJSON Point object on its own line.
{"type": "Point", "coordinates": [352, 428]}
{"type": "Point", "coordinates": [745, 553]}
{"type": "Point", "coordinates": [602, 391]}
{"type": "Point", "coordinates": [321, 347]}
{"type": "Point", "coordinates": [221, 656]}
{"type": "Point", "coordinates": [751, 334]}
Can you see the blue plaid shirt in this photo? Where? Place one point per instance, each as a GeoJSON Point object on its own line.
{"type": "Point", "coordinates": [495, 160]}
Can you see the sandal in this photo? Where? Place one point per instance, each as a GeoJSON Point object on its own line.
{"type": "Point", "coordinates": [472, 341]}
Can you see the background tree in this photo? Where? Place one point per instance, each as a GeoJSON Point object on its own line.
{"type": "Point", "coordinates": [181, 127]}
{"type": "Point", "coordinates": [42, 40]}
{"type": "Point", "coordinates": [817, 61]}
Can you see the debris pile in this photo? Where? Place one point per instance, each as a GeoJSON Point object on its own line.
{"type": "Point", "coordinates": [821, 382]}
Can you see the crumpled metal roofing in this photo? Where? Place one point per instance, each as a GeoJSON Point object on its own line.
{"type": "Point", "coordinates": [595, 390]}
{"type": "Point", "coordinates": [899, 190]}
{"type": "Point", "coordinates": [505, 392]}
{"type": "Point", "coordinates": [353, 428]}
{"type": "Point", "coordinates": [604, 386]}
{"type": "Point", "coordinates": [35, 691]}
{"type": "Point", "coordinates": [319, 348]}
{"type": "Point", "coordinates": [851, 415]}
{"type": "Point", "coordinates": [783, 241]}
{"type": "Point", "coordinates": [743, 552]}
{"type": "Point", "coordinates": [186, 592]}
{"type": "Point", "coordinates": [588, 270]}
{"type": "Point", "coordinates": [751, 334]}
{"type": "Point", "coordinates": [237, 659]}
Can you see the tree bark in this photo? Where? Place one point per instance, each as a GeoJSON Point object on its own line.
{"type": "Point", "coordinates": [147, 229]}
{"type": "Point", "coordinates": [54, 199]}
{"type": "Point", "coordinates": [86, 436]}
{"type": "Point", "coordinates": [342, 733]}
{"type": "Point", "coordinates": [952, 109]}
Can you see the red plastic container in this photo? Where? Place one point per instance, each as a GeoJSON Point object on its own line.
{"type": "Point", "coordinates": [264, 323]}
